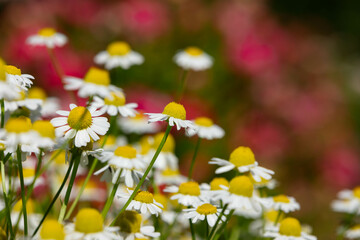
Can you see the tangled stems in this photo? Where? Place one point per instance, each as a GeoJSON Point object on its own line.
{"type": "Point", "coordinates": [221, 229]}
{"type": "Point", "coordinates": [217, 221]}
{"type": "Point", "coordinates": [7, 206]}
{"type": "Point", "coordinates": [193, 159]}
{"type": "Point", "coordinates": [22, 190]}
{"type": "Point", "coordinates": [183, 79]}
{"type": "Point", "coordinates": [158, 150]}
{"type": "Point", "coordinates": [2, 105]}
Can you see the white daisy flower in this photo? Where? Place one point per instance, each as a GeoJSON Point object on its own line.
{"type": "Point", "coordinates": [348, 202]}
{"type": "Point", "coordinates": [243, 159]}
{"type": "Point", "coordinates": [289, 229]}
{"type": "Point", "coordinates": [270, 217]}
{"type": "Point", "coordinates": [46, 138]}
{"type": "Point", "coordinates": [51, 229]}
{"type": "Point", "coordinates": [169, 176]}
{"type": "Point", "coordinates": [8, 91]}
{"type": "Point", "coordinates": [31, 104]}
{"type": "Point", "coordinates": [89, 150]}
{"type": "Point", "coordinates": [204, 211]}
{"type": "Point", "coordinates": [138, 124]}
{"type": "Point", "coordinates": [205, 129]}
{"type": "Point", "coordinates": [49, 105]}
{"type": "Point", "coordinates": [118, 54]}
{"type": "Point", "coordinates": [32, 217]}
{"type": "Point", "coordinates": [114, 104]}
{"type": "Point", "coordinates": [124, 163]}
{"type": "Point", "coordinates": [263, 183]}
{"type": "Point", "coordinates": [193, 58]}
{"type": "Point", "coordinates": [143, 202]}
{"type": "Point", "coordinates": [89, 225]}
{"type": "Point", "coordinates": [14, 76]}
{"type": "Point", "coordinates": [81, 123]}
{"type": "Point", "coordinates": [284, 203]}
{"type": "Point", "coordinates": [215, 187]}
{"type": "Point", "coordinates": [175, 114]}
{"type": "Point", "coordinates": [95, 82]}
{"type": "Point", "coordinates": [47, 37]}
{"type": "Point", "coordinates": [187, 194]}
{"type": "Point", "coordinates": [353, 232]}
{"type": "Point", "coordinates": [111, 142]}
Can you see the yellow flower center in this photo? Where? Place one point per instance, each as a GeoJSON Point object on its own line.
{"type": "Point", "coordinates": [89, 220]}
{"type": "Point", "coordinates": [30, 208]}
{"type": "Point", "coordinates": [125, 152]}
{"type": "Point", "coordinates": [170, 172]}
{"type": "Point", "coordinates": [144, 196]}
{"type": "Point", "coordinates": [79, 118]}
{"type": "Point", "coordinates": [2, 71]}
{"type": "Point", "coordinates": [356, 227]}
{"type": "Point", "coordinates": [281, 198]}
{"type": "Point", "coordinates": [116, 99]}
{"type": "Point", "coordinates": [194, 51]}
{"type": "Point", "coordinates": [356, 192]}
{"type": "Point", "coordinates": [9, 69]}
{"type": "Point", "coordinates": [242, 186]}
{"type": "Point", "coordinates": [52, 229]}
{"type": "Point", "coordinates": [97, 76]}
{"type": "Point", "coordinates": [206, 209]}
{"type": "Point", "coordinates": [2, 147]}
{"type": "Point", "coordinates": [145, 145]}
{"type": "Point", "coordinates": [189, 188]}
{"type": "Point", "coordinates": [272, 215]}
{"type": "Point", "coordinates": [160, 198]}
{"type": "Point", "coordinates": [111, 140]}
{"type": "Point", "coordinates": [28, 172]}
{"type": "Point", "coordinates": [290, 227]}
{"type": "Point", "coordinates": [217, 182]}
{"type": "Point", "coordinates": [37, 93]}
{"type": "Point", "coordinates": [47, 32]}
{"type": "Point", "coordinates": [18, 125]}
{"type": "Point", "coordinates": [129, 222]}
{"type": "Point", "coordinates": [169, 145]}
{"type": "Point", "coordinates": [204, 122]}
{"type": "Point", "coordinates": [175, 110]}
{"type": "Point", "coordinates": [138, 117]}
{"type": "Point", "coordinates": [262, 182]}
{"type": "Point", "coordinates": [118, 48]}
{"type": "Point", "coordinates": [44, 128]}
{"type": "Point", "coordinates": [242, 156]}
{"type": "Point", "coordinates": [60, 158]}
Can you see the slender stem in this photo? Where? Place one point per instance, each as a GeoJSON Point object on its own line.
{"type": "Point", "coordinates": [193, 159]}
{"type": "Point", "coordinates": [69, 188]}
{"type": "Point", "coordinates": [31, 187]}
{"type": "Point", "coordinates": [22, 190]}
{"type": "Point", "coordinates": [221, 229]}
{"type": "Point", "coordinates": [278, 217]}
{"type": "Point", "coordinates": [55, 197]}
{"type": "Point", "coordinates": [218, 220]}
{"type": "Point", "coordinates": [192, 230]}
{"type": "Point", "coordinates": [207, 228]}
{"type": "Point", "coordinates": [168, 230]}
{"type": "Point", "coordinates": [110, 199]}
{"type": "Point", "coordinates": [182, 88]}
{"type": "Point", "coordinates": [7, 205]}
{"type": "Point", "coordinates": [145, 174]}
{"type": "Point", "coordinates": [2, 105]}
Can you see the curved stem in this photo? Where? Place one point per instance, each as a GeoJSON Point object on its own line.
{"type": "Point", "coordinates": [193, 159]}
{"type": "Point", "coordinates": [110, 199]}
{"type": "Point", "coordinates": [278, 217]}
{"type": "Point", "coordinates": [2, 105]}
{"type": "Point", "coordinates": [31, 187]}
{"type": "Point", "coordinates": [193, 236]}
{"type": "Point", "coordinates": [218, 220]}
{"type": "Point", "coordinates": [22, 190]}
{"type": "Point", "coordinates": [158, 150]}
{"type": "Point", "coordinates": [221, 229]}
{"type": "Point", "coordinates": [7, 206]}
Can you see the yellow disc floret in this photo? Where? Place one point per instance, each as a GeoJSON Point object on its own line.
{"type": "Point", "coordinates": [79, 118]}
{"type": "Point", "coordinates": [175, 110]}
{"type": "Point", "coordinates": [189, 188]}
{"type": "Point", "coordinates": [242, 156]}
{"type": "Point", "coordinates": [162, 199]}
{"type": "Point", "coordinates": [110, 140]}
{"type": "Point", "coordinates": [356, 192]}
{"type": "Point", "coordinates": [30, 208]}
{"type": "Point", "coordinates": [18, 125]}
{"type": "Point", "coordinates": [89, 220]}
{"type": "Point", "coordinates": [47, 32]}
{"type": "Point", "coordinates": [129, 222]}
{"type": "Point", "coordinates": [44, 128]}
{"type": "Point", "coordinates": [194, 51]}
{"type": "Point", "coordinates": [144, 196]}
{"type": "Point", "coordinates": [52, 229]}
{"type": "Point", "coordinates": [206, 209]}
{"type": "Point", "coordinates": [216, 183]}
{"type": "Point", "coordinates": [2, 71]}
{"type": "Point", "coordinates": [169, 145]}
{"type": "Point", "coordinates": [125, 152]}
{"type": "Point", "coordinates": [28, 172]}
{"type": "Point", "coordinates": [59, 158]}
{"type": "Point", "coordinates": [37, 93]}
{"type": "Point", "coordinates": [272, 215]}
{"type": "Point", "coordinates": [242, 186]}
{"type": "Point", "coordinates": [97, 76]}
{"type": "Point", "coordinates": [9, 69]}
{"type": "Point", "coordinates": [204, 122]}
{"type": "Point", "coordinates": [290, 227]}
{"type": "Point", "coordinates": [118, 48]}
{"type": "Point", "coordinates": [281, 198]}
{"type": "Point", "coordinates": [116, 99]}
{"type": "Point", "coordinates": [168, 172]}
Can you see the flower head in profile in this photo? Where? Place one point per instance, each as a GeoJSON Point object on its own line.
{"type": "Point", "coordinates": [193, 58]}
{"type": "Point", "coordinates": [95, 82]}
{"type": "Point", "coordinates": [204, 211]}
{"type": "Point", "coordinates": [348, 202]}
{"type": "Point", "coordinates": [175, 114]}
{"type": "Point", "coordinates": [353, 232]}
{"type": "Point", "coordinates": [187, 194]}
{"type": "Point", "coordinates": [118, 54]}
{"type": "Point", "coordinates": [49, 105]}
{"type": "Point", "coordinates": [206, 129]}
{"type": "Point", "coordinates": [8, 90]}
{"type": "Point", "coordinates": [52, 230]}
{"type": "Point", "coordinates": [47, 37]}
{"type": "Point", "coordinates": [15, 77]}
{"type": "Point", "coordinates": [243, 159]}
{"type": "Point", "coordinates": [138, 124]}
{"type": "Point", "coordinates": [81, 123]}
{"type": "Point", "coordinates": [284, 203]}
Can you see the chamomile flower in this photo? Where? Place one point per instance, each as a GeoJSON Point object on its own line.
{"type": "Point", "coordinates": [115, 104]}
{"type": "Point", "coordinates": [206, 129]}
{"type": "Point", "coordinates": [15, 77]}
{"type": "Point", "coordinates": [187, 194]}
{"type": "Point", "coordinates": [143, 202]}
{"type": "Point", "coordinates": [271, 217]}
{"type": "Point", "coordinates": [348, 202]}
{"type": "Point", "coordinates": [169, 176]}
{"type": "Point", "coordinates": [243, 159]}
{"type": "Point", "coordinates": [263, 183]}
{"type": "Point", "coordinates": [193, 58]}
{"type": "Point", "coordinates": [32, 217]}
{"type": "Point", "coordinates": [89, 225]}
{"type": "Point", "coordinates": [118, 54]}
{"type": "Point", "coordinates": [111, 142]}
{"type": "Point", "coordinates": [353, 232]}
{"type": "Point", "coordinates": [95, 82]}
{"type": "Point", "coordinates": [8, 91]}
{"type": "Point", "coordinates": [47, 37]}
{"type": "Point", "coordinates": [289, 229]}
{"type": "Point", "coordinates": [51, 230]}
{"type": "Point", "coordinates": [215, 187]}
{"type": "Point", "coordinates": [45, 134]}
{"type": "Point", "coordinates": [89, 150]}
{"type": "Point", "coordinates": [175, 114]}
{"type": "Point", "coordinates": [23, 102]}
{"type": "Point", "coordinates": [49, 105]}
{"type": "Point", "coordinates": [81, 123]}
{"type": "Point", "coordinates": [204, 211]}
{"type": "Point", "coordinates": [284, 203]}
{"type": "Point", "coordinates": [138, 124]}
{"type": "Point", "coordinates": [124, 162]}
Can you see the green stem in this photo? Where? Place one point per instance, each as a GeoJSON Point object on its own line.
{"type": "Point", "coordinates": [145, 174]}
{"type": "Point", "coordinates": [31, 187]}
{"type": "Point", "coordinates": [207, 228]}
{"type": "Point", "coordinates": [221, 229]}
{"type": "Point", "coordinates": [55, 197]}
{"type": "Point", "coordinates": [7, 205]}
{"type": "Point", "coordinates": [22, 190]}
{"type": "Point", "coordinates": [110, 199]}
{"type": "Point", "coordinates": [278, 217]}
{"type": "Point", "coordinates": [193, 159]}
{"type": "Point", "coordinates": [2, 105]}
{"type": "Point", "coordinates": [182, 88]}
{"type": "Point", "coordinates": [218, 220]}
